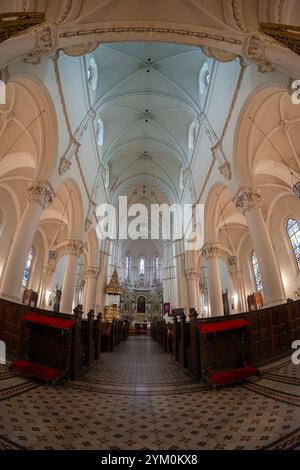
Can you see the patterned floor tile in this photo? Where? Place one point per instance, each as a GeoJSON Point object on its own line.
{"type": "Point", "coordinates": [137, 398]}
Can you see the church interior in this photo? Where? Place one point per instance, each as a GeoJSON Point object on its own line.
{"type": "Point", "coordinates": [134, 343]}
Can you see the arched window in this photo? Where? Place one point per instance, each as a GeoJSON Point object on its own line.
{"type": "Point", "coordinates": [293, 231]}
{"type": "Point", "coordinates": [142, 266]}
{"type": "Point", "coordinates": [127, 267]}
{"type": "Point", "coordinates": [192, 135]}
{"type": "Point", "coordinates": [204, 78]}
{"type": "Point", "coordinates": [92, 74]}
{"type": "Point", "coordinates": [256, 272]}
{"type": "Point", "coordinates": [28, 264]}
{"type": "Point", "coordinates": [156, 268]}
{"type": "Point", "coordinates": [106, 176]}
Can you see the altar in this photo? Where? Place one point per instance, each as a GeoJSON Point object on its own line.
{"type": "Point", "coordinates": [142, 301]}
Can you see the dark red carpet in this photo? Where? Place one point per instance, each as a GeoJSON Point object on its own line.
{"type": "Point", "coordinates": [48, 321]}
{"type": "Point", "coordinates": [234, 375]}
{"type": "Point", "coordinates": [38, 371]}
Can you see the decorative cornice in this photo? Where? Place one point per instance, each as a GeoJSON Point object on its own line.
{"type": "Point", "coordinates": [64, 165]}
{"type": "Point", "coordinates": [254, 48]}
{"type": "Point", "coordinates": [74, 247]}
{"type": "Point", "coordinates": [52, 256]}
{"type": "Point", "coordinates": [247, 198]}
{"type": "Point", "coordinates": [210, 250]}
{"type": "Point", "coordinates": [219, 54]}
{"type": "Point", "coordinates": [41, 192]}
{"type": "Point", "coordinates": [46, 40]}
{"type": "Point", "coordinates": [225, 170]}
{"type": "Point", "coordinates": [121, 29]}
{"type": "Point", "coordinates": [81, 49]}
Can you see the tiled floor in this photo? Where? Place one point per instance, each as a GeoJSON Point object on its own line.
{"type": "Point", "coordinates": [137, 398]}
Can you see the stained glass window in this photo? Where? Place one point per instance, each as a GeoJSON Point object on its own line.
{"type": "Point", "coordinates": [127, 267]}
{"type": "Point", "coordinates": [293, 231]}
{"type": "Point", "coordinates": [142, 266]}
{"type": "Point", "coordinates": [156, 268]}
{"type": "Point", "coordinates": [256, 272]}
{"type": "Point", "coordinates": [26, 273]}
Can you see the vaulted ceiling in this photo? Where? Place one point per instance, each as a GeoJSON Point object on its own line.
{"type": "Point", "coordinates": [147, 96]}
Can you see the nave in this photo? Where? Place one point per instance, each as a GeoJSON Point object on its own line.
{"type": "Point", "coordinates": [137, 398]}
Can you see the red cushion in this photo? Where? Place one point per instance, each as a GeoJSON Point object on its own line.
{"type": "Point", "coordinates": [36, 370]}
{"type": "Point", "coordinates": [48, 321]}
{"type": "Point", "coordinates": [234, 375]}
{"type": "Point", "coordinates": [213, 327]}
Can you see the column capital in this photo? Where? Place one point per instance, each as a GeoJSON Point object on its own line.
{"type": "Point", "coordinates": [91, 273]}
{"type": "Point", "coordinates": [247, 198]}
{"type": "Point", "coordinates": [210, 250]}
{"type": "Point", "coordinates": [254, 49]}
{"type": "Point", "coordinates": [41, 192]}
{"type": "Point", "coordinates": [193, 274]}
{"type": "Point", "coordinates": [74, 247]}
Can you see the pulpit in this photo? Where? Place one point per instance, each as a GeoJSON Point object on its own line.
{"type": "Point", "coordinates": [114, 292]}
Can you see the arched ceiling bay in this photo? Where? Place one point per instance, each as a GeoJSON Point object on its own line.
{"type": "Point", "coordinates": [147, 95]}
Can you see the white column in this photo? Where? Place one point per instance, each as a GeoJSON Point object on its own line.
{"type": "Point", "coordinates": [210, 252]}
{"type": "Point", "coordinates": [180, 275]}
{"type": "Point", "coordinates": [248, 201]}
{"type": "Point", "coordinates": [89, 300]}
{"type": "Point", "coordinates": [103, 276]}
{"type": "Point", "coordinates": [236, 277]}
{"type": "Point", "coordinates": [48, 272]}
{"type": "Point", "coordinates": [40, 195]}
{"type": "Point", "coordinates": [169, 275]}
{"type": "Point", "coordinates": [74, 250]}
{"type": "Point", "coordinates": [193, 277]}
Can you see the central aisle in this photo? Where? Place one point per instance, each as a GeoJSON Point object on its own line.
{"type": "Point", "coordinates": [138, 366]}
{"type": "Point", "coordinates": [137, 398]}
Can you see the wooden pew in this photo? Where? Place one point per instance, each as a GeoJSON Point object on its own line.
{"type": "Point", "coordinates": [97, 336]}
{"type": "Point", "coordinates": [46, 345]}
{"type": "Point", "coordinates": [87, 340]}
{"type": "Point", "coordinates": [268, 338]}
